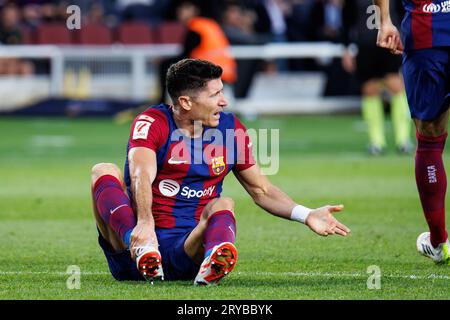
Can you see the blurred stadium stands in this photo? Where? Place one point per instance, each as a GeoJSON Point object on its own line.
{"type": "Point", "coordinates": [116, 52]}
{"type": "Point", "coordinates": [135, 33]}
{"type": "Point", "coordinates": [99, 34]}
{"type": "Point", "coordinates": [127, 72]}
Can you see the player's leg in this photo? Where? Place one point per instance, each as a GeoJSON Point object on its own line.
{"type": "Point", "coordinates": [106, 180]}
{"type": "Point", "coordinates": [431, 182]}
{"type": "Point", "coordinates": [218, 214]}
{"type": "Point", "coordinates": [116, 220]}
{"type": "Point", "coordinates": [367, 69]}
{"type": "Point", "coordinates": [373, 115]}
{"type": "Point", "coordinates": [427, 86]}
{"type": "Point", "coordinates": [112, 208]}
{"type": "Point", "coordinates": [212, 241]}
{"type": "Point", "coordinates": [401, 118]}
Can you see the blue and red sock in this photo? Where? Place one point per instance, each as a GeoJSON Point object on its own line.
{"type": "Point", "coordinates": [221, 228]}
{"type": "Point", "coordinates": [114, 206]}
{"type": "Point", "coordinates": [431, 181]}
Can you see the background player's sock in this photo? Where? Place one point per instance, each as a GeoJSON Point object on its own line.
{"type": "Point", "coordinates": [431, 182]}
{"type": "Point", "coordinates": [373, 114]}
{"type": "Point", "coordinates": [401, 119]}
{"type": "Point", "coordinates": [114, 206]}
{"type": "Point", "coordinates": [221, 228]}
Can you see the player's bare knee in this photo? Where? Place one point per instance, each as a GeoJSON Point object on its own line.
{"type": "Point", "coordinates": [215, 205]}
{"type": "Point", "coordinates": [432, 128]}
{"type": "Point", "coordinates": [394, 83]}
{"type": "Point", "coordinates": [224, 203]}
{"type": "Point", "coordinates": [371, 88]}
{"type": "Point", "coordinates": [101, 169]}
{"type": "Point", "coordinates": [430, 131]}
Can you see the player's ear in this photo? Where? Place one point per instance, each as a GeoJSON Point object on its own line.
{"type": "Point", "coordinates": [185, 102]}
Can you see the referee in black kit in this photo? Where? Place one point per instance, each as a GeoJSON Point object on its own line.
{"type": "Point", "coordinates": [377, 70]}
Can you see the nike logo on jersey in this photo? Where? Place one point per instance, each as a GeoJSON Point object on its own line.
{"type": "Point", "coordinates": [172, 161]}
{"type": "Point", "coordinates": [112, 211]}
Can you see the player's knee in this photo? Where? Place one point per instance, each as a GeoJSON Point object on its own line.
{"type": "Point", "coordinates": [101, 169]}
{"type": "Point", "coordinates": [432, 128]}
{"type": "Point", "coordinates": [221, 204]}
{"type": "Point", "coordinates": [394, 83]}
{"type": "Point", "coordinates": [370, 88]}
{"type": "Point", "coordinates": [431, 131]}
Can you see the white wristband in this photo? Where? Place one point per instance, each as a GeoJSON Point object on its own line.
{"type": "Point", "coordinates": [300, 213]}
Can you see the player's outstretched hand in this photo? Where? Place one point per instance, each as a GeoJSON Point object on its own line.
{"type": "Point", "coordinates": [389, 38]}
{"type": "Point", "coordinates": [322, 221]}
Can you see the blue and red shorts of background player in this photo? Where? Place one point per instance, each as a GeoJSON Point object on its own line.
{"type": "Point", "coordinates": [426, 73]}
{"type": "Point", "coordinates": [177, 265]}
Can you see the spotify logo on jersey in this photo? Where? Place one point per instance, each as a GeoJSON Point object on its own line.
{"type": "Point", "coordinates": [169, 187]}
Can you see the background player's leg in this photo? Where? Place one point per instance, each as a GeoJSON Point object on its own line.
{"type": "Point", "coordinates": [401, 118]}
{"type": "Point", "coordinates": [217, 225]}
{"type": "Point", "coordinates": [373, 114]}
{"type": "Point", "coordinates": [112, 209]}
{"type": "Point", "coordinates": [431, 178]}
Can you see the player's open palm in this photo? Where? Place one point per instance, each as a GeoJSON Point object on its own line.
{"type": "Point", "coordinates": [322, 221]}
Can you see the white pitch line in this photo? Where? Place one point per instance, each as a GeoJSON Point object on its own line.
{"type": "Point", "coordinates": [350, 275]}
{"type": "Point", "coordinates": [51, 141]}
{"type": "Point", "coordinates": [51, 273]}
{"type": "Point", "coordinates": [261, 273]}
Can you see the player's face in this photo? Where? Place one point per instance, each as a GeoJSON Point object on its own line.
{"type": "Point", "coordinates": [209, 103]}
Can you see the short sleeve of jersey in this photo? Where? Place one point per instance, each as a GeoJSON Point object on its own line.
{"type": "Point", "coordinates": [244, 147]}
{"type": "Point", "coordinates": [150, 130]}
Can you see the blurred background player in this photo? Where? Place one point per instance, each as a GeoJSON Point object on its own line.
{"type": "Point", "coordinates": [174, 221]}
{"type": "Point", "coordinates": [204, 39]}
{"type": "Point", "coordinates": [426, 71]}
{"type": "Point", "coordinates": [238, 24]}
{"type": "Point", "coordinates": [376, 70]}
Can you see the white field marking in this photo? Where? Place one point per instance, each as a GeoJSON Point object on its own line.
{"type": "Point", "coordinates": [51, 141]}
{"type": "Point", "coordinates": [262, 273]}
{"type": "Point", "coordinates": [51, 273]}
{"type": "Point", "coordinates": [349, 275]}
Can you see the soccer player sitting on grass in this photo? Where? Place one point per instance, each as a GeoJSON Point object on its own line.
{"type": "Point", "coordinates": [172, 222]}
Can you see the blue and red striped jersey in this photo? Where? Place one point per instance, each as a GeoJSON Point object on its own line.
{"type": "Point", "coordinates": [190, 171]}
{"type": "Point", "coordinates": [426, 24]}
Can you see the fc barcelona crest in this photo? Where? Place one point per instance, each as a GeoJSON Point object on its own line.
{"type": "Point", "coordinates": [218, 165]}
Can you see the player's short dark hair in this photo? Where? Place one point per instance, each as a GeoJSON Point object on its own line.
{"type": "Point", "coordinates": [189, 75]}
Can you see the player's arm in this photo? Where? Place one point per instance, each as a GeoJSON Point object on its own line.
{"type": "Point", "coordinates": [143, 166]}
{"type": "Point", "coordinates": [388, 35]}
{"type": "Point", "coordinates": [384, 9]}
{"type": "Point", "coordinates": [278, 203]}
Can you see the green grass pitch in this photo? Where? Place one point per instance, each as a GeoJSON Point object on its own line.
{"type": "Point", "coordinates": [46, 222]}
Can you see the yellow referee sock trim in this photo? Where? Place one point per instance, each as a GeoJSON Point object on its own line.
{"type": "Point", "coordinates": [373, 114]}
{"type": "Point", "coordinates": [401, 119]}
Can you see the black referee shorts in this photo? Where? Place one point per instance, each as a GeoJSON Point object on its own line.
{"type": "Point", "coordinates": [375, 63]}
